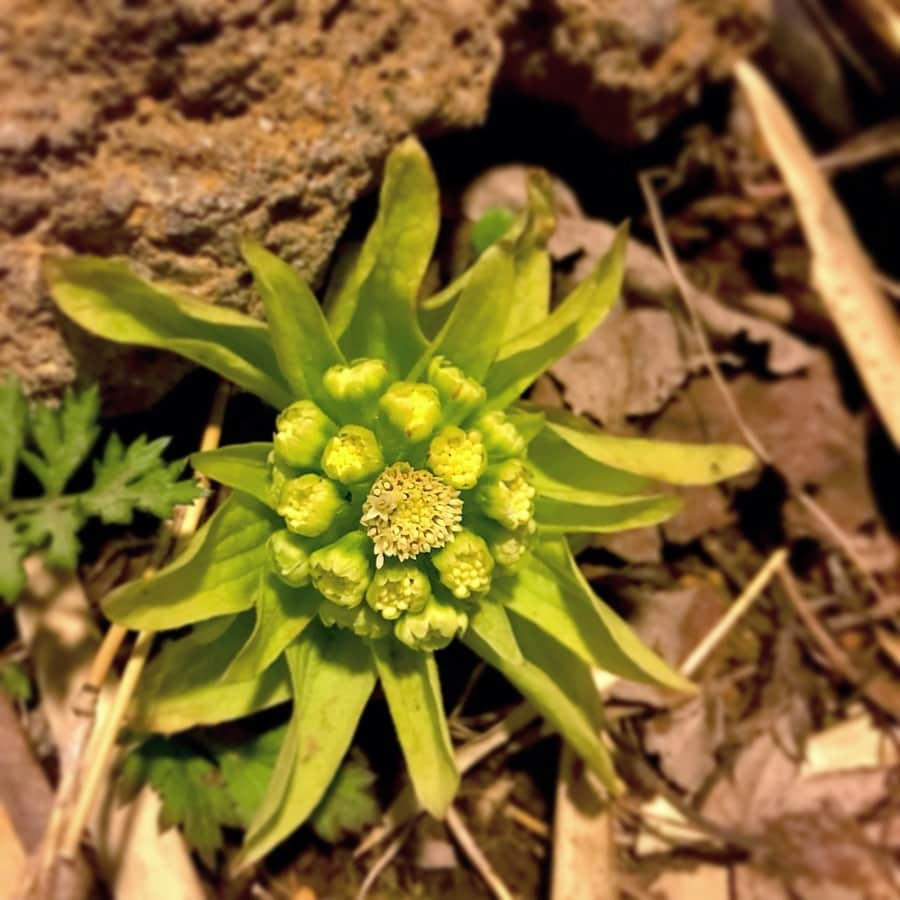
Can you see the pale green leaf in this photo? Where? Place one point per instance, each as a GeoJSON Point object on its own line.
{"type": "Point", "coordinates": [472, 333]}
{"type": "Point", "coordinates": [282, 612]}
{"type": "Point", "coordinates": [349, 804]}
{"type": "Point", "coordinates": [555, 516]}
{"type": "Point", "coordinates": [243, 467]}
{"type": "Point", "coordinates": [381, 294]}
{"type": "Point", "coordinates": [216, 574]}
{"type": "Point", "coordinates": [301, 337]}
{"type": "Point", "coordinates": [412, 687]}
{"type": "Point", "coordinates": [526, 356]}
{"type": "Point", "coordinates": [551, 592]}
{"type": "Point", "coordinates": [182, 685]}
{"type": "Point", "coordinates": [247, 767]}
{"type": "Point", "coordinates": [332, 677]}
{"type": "Point", "coordinates": [557, 466]}
{"type": "Point", "coordinates": [489, 621]}
{"type": "Point", "coordinates": [661, 460]}
{"type": "Point", "coordinates": [105, 298]}
{"type": "Point", "coordinates": [554, 680]}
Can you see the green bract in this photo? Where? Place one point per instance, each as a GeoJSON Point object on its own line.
{"type": "Point", "coordinates": [407, 498]}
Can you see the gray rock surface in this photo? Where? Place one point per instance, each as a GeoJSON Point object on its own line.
{"type": "Point", "coordinates": [165, 131]}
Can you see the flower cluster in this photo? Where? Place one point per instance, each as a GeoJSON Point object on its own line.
{"type": "Point", "coordinates": [398, 509]}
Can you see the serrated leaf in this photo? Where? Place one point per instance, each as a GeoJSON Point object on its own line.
{"type": "Point", "coordinates": [247, 767]}
{"type": "Point", "coordinates": [413, 691]}
{"type": "Point", "coordinates": [243, 467]}
{"type": "Point", "coordinates": [378, 302]}
{"type": "Point", "coordinates": [63, 438]}
{"type": "Point", "coordinates": [12, 574]}
{"type": "Point", "coordinates": [349, 804]}
{"type": "Point", "coordinates": [551, 592]}
{"type": "Point", "coordinates": [216, 574]}
{"type": "Point", "coordinates": [13, 417]}
{"type": "Point", "coordinates": [190, 787]}
{"type": "Point", "coordinates": [332, 682]}
{"type": "Point", "coordinates": [133, 478]}
{"type": "Point", "coordinates": [675, 463]}
{"type": "Point", "coordinates": [182, 685]}
{"type": "Point", "coordinates": [282, 612]}
{"type": "Point", "coordinates": [559, 684]}
{"type": "Point", "coordinates": [53, 528]}
{"type": "Point", "coordinates": [300, 334]}
{"type": "Point", "coordinates": [558, 516]}
{"type": "Point", "coordinates": [526, 356]}
{"type": "Point", "coordinates": [105, 298]}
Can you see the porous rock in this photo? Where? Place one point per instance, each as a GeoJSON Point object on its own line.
{"type": "Point", "coordinates": [166, 131]}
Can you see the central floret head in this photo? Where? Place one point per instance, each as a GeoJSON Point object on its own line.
{"type": "Point", "coordinates": [410, 511]}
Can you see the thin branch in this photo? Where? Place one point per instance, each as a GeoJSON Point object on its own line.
{"type": "Point", "coordinates": [87, 774]}
{"type": "Point", "coordinates": [687, 291]}
{"type": "Point", "coordinates": [383, 862]}
{"type": "Point", "coordinates": [760, 582]}
{"type": "Point", "coordinates": [469, 846]}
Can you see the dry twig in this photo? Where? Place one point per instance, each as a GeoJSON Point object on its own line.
{"type": "Point", "coordinates": [469, 846]}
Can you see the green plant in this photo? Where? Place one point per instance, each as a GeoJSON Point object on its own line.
{"type": "Point", "coordinates": [407, 498]}
{"type": "Point", "coordinates": [54, 443]}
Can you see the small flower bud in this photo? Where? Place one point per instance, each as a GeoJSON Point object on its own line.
{"type": "Point", "coordinates": [352, 455]}
{"type": "Point", "coordinates": [457, 457]}
{"type": "Point", "coordinates": [506, 495]}
{"type": "Point", "coordinates": [279, 473]}
{"type": "Point", "coordinates": [413, 409]}
{"type": "Point", "coordinates": [398, 588]}
{"type": "Point", "coordinates": [358, 382]}
{"type": "Point", "coordinates": [501, 437]}
{"type": "Point", "coordinates": [460, 395]}
{"type": "Point", "coordinates": [359, 619]}
{"type": "Point", "coordinates": [465, 565]}
{"type": "Point", "coordinates": [302, 430]}
{"type": "Point", "coordinates": [341, 572]}
{"type": "Point", "coordinates": [508, 547]}
{"type": "Point", "coordinates": [289, 557]}
{"type": "Point", "coordinates": [433, 627]}
{"type": "Point", "coordinates": [310, 504]}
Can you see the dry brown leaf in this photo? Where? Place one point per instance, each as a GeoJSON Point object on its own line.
{"type": "Point", "coordinates": [12, 857]}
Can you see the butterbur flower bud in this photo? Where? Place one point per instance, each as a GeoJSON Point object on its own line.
{"type": "Point", "coordinates": [341, 572]}
{"type": "Point", "coordinates": [508, 547]}
{"type": "Point", "coordinates": [459, 394]}
{"type": "Point", "coordinates": [501, 437]}
{"type": "Point", "coordinates": [302, 431]}
{"type": "Point", "coordinates": [433, 627]}
{"type": "Point", "coordinates": [413, 409]}
{"type": "Point", "coordinates": [279, 473]}
{"type": "Point", "coordinates": [310, 504]}
{"type": "Point", "coordinates": [457, 457]}
{"type": "Point", "coordinates": [352, 455]}
{"type": "Point", "coordinates": [465, 565]}
{"type": "Point", "coordinates": [361, 380]}
{"type": "Point", "coordinates": [289, 557]}
{"type": "Point", "coordinates": [398, 588]}
{"type": "Point", "coordinates": [507, 496]}
{"type": "Point", "coordinates": [360, 619]}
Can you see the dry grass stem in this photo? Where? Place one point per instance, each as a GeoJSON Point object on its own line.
{"type": "Point", "coordinates": [470, 848]}
{"type": "Point", "coordinates": [88, 777]}
{"type": "Point", "coordinates": [841, 271]}
{"type": "Point", "coordinates": [701, 653]}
